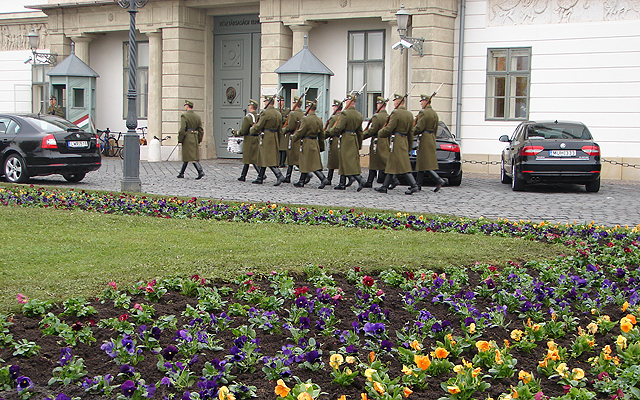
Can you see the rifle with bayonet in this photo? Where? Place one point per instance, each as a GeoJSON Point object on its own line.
{"type": "Point", "coordinates": [350, 101]}
{"type": "Point", "coordinates": [295, 106]}
{"type": "Point", "coordinates": [399, 104]}
{"type": "Point", "coordinates": [382, 105]}
{"type": "Point", "coordinates": [269, 103]}
{"type": "Point", "coordinates": [428, 102]}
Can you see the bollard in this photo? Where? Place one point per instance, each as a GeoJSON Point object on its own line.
{"type": "Point", "coordinates": [155, 150]}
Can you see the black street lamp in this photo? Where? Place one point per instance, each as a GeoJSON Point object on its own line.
{"type": "Point", "coordinates": [39, 58]}
{"type": "Point", "coordinates": [402, 17]}
{"type": "Point", "coordinates": [131, 167]}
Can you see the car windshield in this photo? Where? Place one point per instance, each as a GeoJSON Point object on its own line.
{"type": "Point", "coordinates": [558, 131]}
{"type": "Point", "coordinates": [443, 132]}
{"type": "Point", "coordinates": [51, 124]}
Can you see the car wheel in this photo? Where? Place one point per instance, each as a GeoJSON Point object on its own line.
{"type": "Point", "coordinates": [593, 186]}
{"type": "Point", "coordinates": [77, 177]}
{"type": "Point", "coordinates": [456, 180]}
{"type": "Point", "coordinates": [517, 183]}
{"type": "Point", "coordinates": [504, 178]}
{"type": "Point", "coordinates": [15, 169]}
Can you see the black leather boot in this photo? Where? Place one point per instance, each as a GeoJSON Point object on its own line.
{"type": "Point", "coordinates": [394, 182]}
{"type": "Point", "coordinates": [307, 178]}
{"type": "Point", "coordinates": [261, 172]}
{"type": "Point", "coordinates": [263, 176]}
{"type": "Point", "coordinates": [412, 181]}
{"type": "Point", "coordinates": [330, 176]}
{"type": "Point", "coordinates": [243, 174]}
{"type": "Point", "coordinates": [381, 176]}
{"type": "Point", "coordinates": [370, 179]}
{"type": "Point", "coordinates": [439, 181]}
{"type": "Point", "coordinates": [420, 180]}
{"type": "Point", "coordinates": [323, 180]}
{"type": "Point", "coordinates": [287, 179]}
{"type": "Point", "coordinates": [361, 182]}
{"type": "Point", "coordinates": [301, 181]}
{"type": "Point", "coordinates": [351, 180]}
{"type": "Point", "coordinates": [342, 183]}
{"type": "Point", "coordinates": [199, 169]}
{"type": "Point", "coordinates": [283, 158]}
{"type": "Point", "coordinates": [278, 174]}
{"type": "Point", "coordinates": [385, 185]}
{"type": "Point", "coordinates": [184, 168]}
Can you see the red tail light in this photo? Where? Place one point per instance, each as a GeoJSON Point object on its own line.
{"type": "Point", "coordinates": [530, 150]}
{"type": "Point", "coordinates": [450, 147]}
{"type": "Point", "coordinates": [49, 142]}
{"type": "Point", "coordinates": [591, 150]}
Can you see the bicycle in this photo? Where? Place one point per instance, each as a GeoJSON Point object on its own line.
{"type": "Point", "coordinates": [109, 143]}
{"type": "Point", "coordinates": [142, 131]}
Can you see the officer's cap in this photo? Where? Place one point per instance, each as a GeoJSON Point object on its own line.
{"type": "Point", "coordinates": [337, 103]}
{"type": "Point", "coordinates": [188, 103]}
{"type": "Point", "coordinates": [397, 96]}
{"type": "Point", "coordinates": [52, 97]}
{"type": "Point", "coordinates": [280, 98]}
{"type": "Point", "coordinates": [268, 97]}
{"type": "Point", "coordinates": [254, 103]}
{"type": "Point", "coordinates": [424, 97]}
{"type": "Point", "coordinates": [380, 100]}
{"type": "Point", "coordinates": [310, 103]}
{"type": "Point", "coordinates": [296, 98]}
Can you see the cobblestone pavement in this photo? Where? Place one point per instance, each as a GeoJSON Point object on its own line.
{"type": "Point", "coordinates": [480, 195]}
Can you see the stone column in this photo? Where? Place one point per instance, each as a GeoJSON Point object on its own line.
{"type": "Point", "coordinates": [154, 118]}
{"type": "Point", "coordinates": [82, 47]}
{"type": "Point", "coordinates": [398, 75]}
{"type": "Point", "coordinates": [299, 32]}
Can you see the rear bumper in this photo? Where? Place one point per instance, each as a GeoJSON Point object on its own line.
{"type": "Point", "coordinates": [564, 173]}
{"type": "Point", "coordinates": [64, 164]}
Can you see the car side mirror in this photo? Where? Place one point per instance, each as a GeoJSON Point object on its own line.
{"type": "Point", "coordinates": [504, 138]}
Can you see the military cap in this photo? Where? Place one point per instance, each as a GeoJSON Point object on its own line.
{"type": "Point", "coordinates": [424, 97]}
{"type": "Point", "coordinates": [188, 103]}
{"type": "Point", "coordinates": [397, 96]}
{"type": "Point", "coordinates": [268, 97]}
{"type": "Point", "coordinates": [310, 103]}
{"type": "Point", "coordinates": [337, 103]}
{"type": "Point", "coordinates": [296, 98]}
{"type": "Point", "coordinates": [52, 97]}
{"type": "Point", "coordinates": [351, 96]}
{"type": "Point", "coordinates": [380, 100]}
{"type": "Point", "coordinates": [280, 98]}
{"type": "Point", "coordinates": [254, 103]}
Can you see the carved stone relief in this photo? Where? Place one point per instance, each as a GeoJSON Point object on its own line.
{"type": "Point", "coordinates": [526, 12]}
{"type": "Point", "coordinates": [14, 37]}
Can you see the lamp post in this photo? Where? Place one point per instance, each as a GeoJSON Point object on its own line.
{"type": "Point", "coordinates": [39, 58]}
{"type": "Point", "coordinates": [131, 167]}
{"type": "Point", "coordinates": [402, 17]}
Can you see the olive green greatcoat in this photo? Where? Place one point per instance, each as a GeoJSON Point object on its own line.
{"type": "Point", "coordinates": [56, 110]}
{"type": "Point", "coordinates": [293, 147]}
{"type": "Point", "coordinates": [379, 147]}
{"type": "Point", "coordinates": [310, 133]}
{"type": "Point", "coordinates": [333, 158]}
{"type": "Point", "coordinates": [190, 135]}
{"type": "Point", "coordinates": [425, 130]}
{"type": "Point", "coordinates": [348, 130]}
{"type": "Point", "coordinates": [283, 144]}
{"type": "Point", "coordinates": [398, 130]}
{"type": "Point", "coordinates": [268, 125]}
{"type": "Point", "coordinates": [251, 143]}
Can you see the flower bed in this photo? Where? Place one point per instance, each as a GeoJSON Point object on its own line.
{"type": "Point", "coordinates": [563, 328]}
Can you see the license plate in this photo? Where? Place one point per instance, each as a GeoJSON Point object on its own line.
{"type": "Point", "coordinates": [562, 153]}
{"type": "Point", "coordinates": [78, 143]}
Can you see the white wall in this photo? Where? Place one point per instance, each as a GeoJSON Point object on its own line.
{"type": "Point", "coordinates": [15, 82]}
{"type": "Point", "coordinates": [581, 71]}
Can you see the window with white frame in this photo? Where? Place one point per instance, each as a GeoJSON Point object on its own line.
{"type": "Point", "coordinates": [365, 64]}
{"type": "Point", "coordinates": [142, 79]}
{"type": "Point", "coordinates": [508, 83]}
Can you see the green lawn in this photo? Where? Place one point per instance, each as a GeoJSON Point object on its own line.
{"type": "Point", "coordinates": [53, 254]}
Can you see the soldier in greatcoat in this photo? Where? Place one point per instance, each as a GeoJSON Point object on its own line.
{"type": "Point", "coordinates": [348, 131]}
{"type": "Point", "coordinates": [333, 158]}
{"type": "Point", "coordinates": [399, 131]}
{"type": "Point", "coordinates": [379, 148]}
{"type": "Point", "coordinates": [425, 131]}
{"type": "Point", "coordinates": [310, 135]}
{"type": "Point", "coordinates": [268, 125]}
{"type": "Point", "coordinates": [289, 127]}
{"type": "Point", "coordinates": [282, 143]}
{"type": "Point", "coordinates": [55, 108]}
{"type": "Point", "coordinates": [251, 143]}
{"type": "Point", "coordinates": [190, 135]}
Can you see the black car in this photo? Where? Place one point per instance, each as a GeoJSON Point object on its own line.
{"type": "Point", "coordinates": [34, 144]}
{"type": "Point", "coordinates": [448, 153]}
{"type": "Point", "coordinates": [551, 152]}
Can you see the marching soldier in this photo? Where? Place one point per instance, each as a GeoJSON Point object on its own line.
{"type": "Point", "coordinates": [268, 125]}
{"type": "Point", "coordinates": [283, 144]}
{"type": "Point", "coordinates": [379, 149]}
{"type": "Point", "coordinates": [190, 135]}
{"type": "Point", "coordinates": [310, 135]}
{"type": "Point", "coordinates": [293, 147]}
{"type": "Point", "coordinates": [251, 142]}
{"type": "Point", "coordinates": [425, 130]}
{"type": "Point", "coordinates": [399, 132]}
{"type": "Point", "coordinates": [348, 132]}
{"type": "Point", "coordinates": [333, 159]}
{"type": "Point", "coordinates": [54, 108]}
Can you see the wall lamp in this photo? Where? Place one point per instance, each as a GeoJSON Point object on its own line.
{"type": "Point", "coordinates": [39, 58]}
{"type": "Point", "coordinates": [402, 17]}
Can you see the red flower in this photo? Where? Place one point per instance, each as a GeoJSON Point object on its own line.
{"type": "Point", "coordinates": [300, 291]}
{"type": "Point", "coordinates": [356, 269]}
{"type": "Point", "coordinates": [367, 281]}
{"type": "Point", "coordinates": [610, 244]}
{"type": "Point", "coordinates": [627, 250]}
{"type": "Point", "coordinates": [123, 317]}
{"type": "Point", "coordinates": [492, 268]}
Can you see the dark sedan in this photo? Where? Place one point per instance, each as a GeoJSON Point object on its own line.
{"type": "Point", "coordinates": [448, 153]}
{"type": "Point", "coordinates": [551, 152]}
{"type": "Point", "coordinates": [33, 144]}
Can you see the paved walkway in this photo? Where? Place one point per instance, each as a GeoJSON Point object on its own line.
{"type": "Point", "coordinates": [618, 202]}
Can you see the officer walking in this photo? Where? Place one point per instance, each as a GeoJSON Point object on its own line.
{"type": "Point", "coordinates": [379, 148]}
{"type": "Point", "coordinates": [54, 108]}
{"type": "Point", "coordinates": [425, 130]}
{"type": "Point", "coordinates": [268, 125]}
{"type": "Point", "coordinates": [251, 142]}
{"type": "Point", "coordinates": [293, 147]}
{"type": "Point", "coordinates": [333, 158]}
{"type": "Point", "coordinates": [190, 135]}
{"type": "Point", "coordinates": [348, 131]}
{"type": "Point", "coordinates": [399, 132]}
{"type": "Point", "coordinates": [310, 135]}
